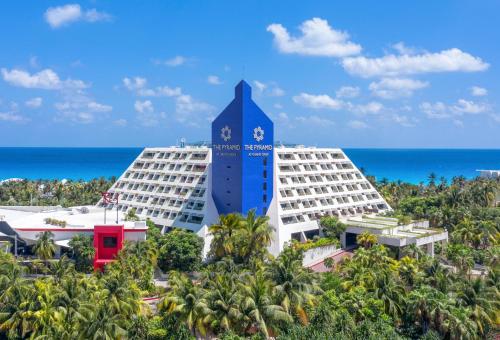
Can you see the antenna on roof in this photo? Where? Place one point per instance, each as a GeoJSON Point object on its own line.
{"type": "Point", "coordinates": [183, 142]}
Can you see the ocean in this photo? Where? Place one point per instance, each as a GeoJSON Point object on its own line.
{"type": "Point", "coordinates": [409, 165]}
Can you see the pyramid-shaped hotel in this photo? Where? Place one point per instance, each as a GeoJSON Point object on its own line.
{"type": "Point", "coordinates": [189, 186]}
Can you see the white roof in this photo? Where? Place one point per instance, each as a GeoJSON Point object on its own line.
{"type": "Point", "coordinates": [7, 214]}
{"type": "Point", "coordinates": [74, 218]}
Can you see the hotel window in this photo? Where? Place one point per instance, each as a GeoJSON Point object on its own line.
{"type": "Point", "coordinates": [264, 161]}
{"type": "Point", "coordinates": [264, 186]}
{"type": "Point", "coordinates": [264, 174]}
{"type": "Point", "coordinates": [264, 198]}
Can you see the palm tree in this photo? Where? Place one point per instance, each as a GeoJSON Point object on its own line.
{"type": "Point", "coordinates": [223, 242]}
{"type": "Point", "coordinates": [144, 251]}
{"type": "Point", "coordinates": [257, 233]}
{"type": "Point", "coordinates": [390, 293]}
{"type": "Point", "coordinates": [457, 323]}
{"type": "Point", "coordinates": [15, 290]}
{"type": "Point", "coordinates": [105, 324]}
{"type": "Point", "coordinates": [484, 303]}
{"type": "Point", "coordinates": [466, 232]}
{"type": "Point", "coordinates": [257, 309]}
{"type": "Point", "coordinates": [413, 251]}
{"type": "Point", "coordinates": [461, 256]}
{"type": "Point", "coordinates": [222, 301]}
{"type": "Point", "coordinates": [425, 305]}
{"type": "Point", "coordinates": [408, 270]}
{"type": "Point", "coordinates": [366, 240]}
{"type": "Point", "coordinates": [120, 295]}
{"type": "Point", "coordinates": [186, 302]}
{"type": "Point", "coordinates": [75, 305]}
{"type": "Point", "coordinates": [43, 311]}
{"type": "Point", "coordinates": [295, 286]}
{"type": "Point", "coordinates": [437, 276]}
{"type": "Point", "coordinates": [62, 268]}
{"type": "Point", "coordinates": [45, 247]}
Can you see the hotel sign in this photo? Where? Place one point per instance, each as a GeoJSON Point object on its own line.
{"type": "Point", "coordinates": [255, 150]}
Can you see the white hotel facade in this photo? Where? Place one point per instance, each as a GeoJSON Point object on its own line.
{"type": "Point", "coordinates": [182, 186]}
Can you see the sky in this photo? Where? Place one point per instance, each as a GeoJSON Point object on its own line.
{"type": "Point", "coordinates": [362, 74]}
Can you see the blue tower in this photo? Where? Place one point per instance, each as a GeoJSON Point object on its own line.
{"type": "Point", "coordinates": [242, 156]}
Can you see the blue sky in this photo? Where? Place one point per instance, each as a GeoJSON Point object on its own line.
{"type": "Point", "coordinates": [329, 73]}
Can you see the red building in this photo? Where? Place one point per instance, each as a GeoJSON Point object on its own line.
{"type": "Point", "coordinates": [108, 241]}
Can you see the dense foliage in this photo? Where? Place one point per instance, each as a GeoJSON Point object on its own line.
{"type": "Point", "coordinates": [243, 292]}
{"type": "Point", "coordinates": [83, 251]}
{"type": "Point", "coordinates": [43, 192]}
{"type": "Point", "coordinates": [180, 250]}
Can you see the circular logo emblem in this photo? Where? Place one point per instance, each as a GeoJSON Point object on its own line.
{"type": "Point", "coordinates": [258, 134]}
{"type": "Point", "coordinates": [225, 133]}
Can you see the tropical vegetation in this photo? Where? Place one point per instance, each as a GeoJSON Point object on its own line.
{"type": "Point", "coordinates": [66, 193]}
{"type": "Point", "coordinates": [240, 291]}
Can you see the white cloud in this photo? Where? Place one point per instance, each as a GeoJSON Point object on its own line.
{"type": "Point", "coordinates": [270, 89]}
{"type": "Point", "coordinates": [82, 103]}
{"type": "Point", "coordinates": [120, 122]}
{"type": "Point", "coordinates": [58, 16]}
{"type": "Point", "coordinates": [63, 15]}
{"type": "Point", "coordinates": [144, 106]}
{"type": "Point", "coordinates": [149, 119]}
{"type": "Point", "coordinates": [186, 107]}
{"type": "Point", "coordinates": [404, 120]}
{"type": "Point", "coordinates": [278, 106]}
{"type": "Point", "coordinates": [79, 117]}
{"type": "Point", "coordinates": [467, 106]}
{"type": "Point", "coordinates": [167, 91]}
{"type": "Point", "coordinates": [214, 80]}
{"type": "Point", "coordinates": [452, 60]}
{"type": "Point", "coordinates": [357, 124]}
{"type": "Point", "coordinates": [437, 110]}
{"type": "Point", "coordinates": [34, 102]}
{"type": "Point", "coordinates": [321, 101]}
{"type": "Point", "coordinates": [92, 15]}
{"type": "Point", "coordinates": [369, 108]}
{"type": "Point", "coordinates": [259, 85]}
{"type": "Point", "coordinates": [440, 110]}
{"type": "Point", "coordinates": [348, 92]}
{"type": "Point", "coordinates": [458, 123]}
{"type": "Point", "coordinates": [478, 91]}
{"type": "Point", "coordinates": [390, 88]}
{"type": "Point", "coordinates": [96, 107]}
{"type": "Point", "coordinates": [145, 114]}
{"type": "Point", "coordinates": [277, 92]}
{"type": "Point", "coordinates": [12, 117]}
{"type": "Point", "coordinates": [46, 79]}
{"type": "Point", "coordinates": [318, 39]}
{"type": "Point", "coordinates": [187, 104]}
{"type": "Point", "coordinates": [403, 49]}
{"type": "Point", "coordinates": [135, 83]}
{"type": "Point", "coordinates": [283, 118]}
{"type": "Point", "coordinates": [79, 108]}
{"type": "Point", "coordinates": [138, 85]}
{"type": "Point", "coordinates": [172, 62]}
{"type": "Point", "coordinates": [315, 120]}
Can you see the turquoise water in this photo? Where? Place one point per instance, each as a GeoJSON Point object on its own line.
{"type": "Point", "coordinates": [410, 165]}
